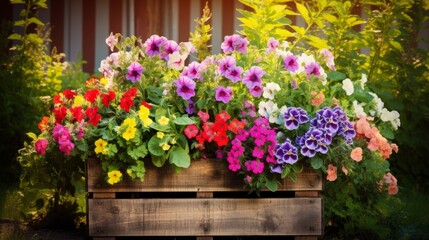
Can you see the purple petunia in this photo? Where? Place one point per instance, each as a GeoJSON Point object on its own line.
{"type": "Point", "coordinates": [234, 43]}
{"type": "Point", "coordinates": [154, 44]}
{"type": "Point", "coordinates": [185, 87]}
{"type": "Point", "coordinates": [291, 63]}
{"type": "Point", "coordinates": [256, 91]}
{"type": "Point", "coordinates": [234, 74]}
{"type": "Point", "coordinates": [192, 70]}
{"type": "Point", "coordinates": [134, 72]}
{"type": "Point", "coordinates": [312, 69]}
{"type": "Point", "coordinates": [253, 77]}
{"type": "Point", "coordinates": [169, 47]}
{"type": "Point", "coordinates": [191, 107]}
{"type": "Point", "coordinates": [226, 64]}
{"type": "Point", "coordinates": [286, 152]}
{"type": "Point", "coordinates": [293, 117]}
{"type": "Point", "coordinates": [223, 94]}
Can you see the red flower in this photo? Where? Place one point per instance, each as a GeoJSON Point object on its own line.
{"type": "Point", "coordinates": [57, 99]}
{"type": "Point", "coordinates": [93, 116]}
{"type": "Point", "coordinates": [236, 125]}
{"type": "Point", "coordinates": [127, 99]}
{"type": "Point", "coordinates": [203, 115]}
{"type": "Point", "coordinates": [223, 116]}
{"type": "Point", "coordinates": [132, 93]}
{"type": "Point", "coordinates": [69, 94]}
{"type": "Point", "coordinates": [43, 124]}
{"type": "Point", "coordinates": [91, 95]}
{"type": "Point", "coordinates": [60, 114]}
{"type": "Point", "coordinates": [108, 97]}
{"type": "Point", "coordinates": [77, 113]}
{"type": "Point", "coordinates": [146, 104]}
{"type": "Point", "coordinates": [221, 139]}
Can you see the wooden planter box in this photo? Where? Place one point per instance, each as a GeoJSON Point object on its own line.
{"type": "Point", "coordinates": [206, 200]}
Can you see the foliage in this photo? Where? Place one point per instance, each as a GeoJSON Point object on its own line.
{"type": "Point", "coordinates": [200, 38]}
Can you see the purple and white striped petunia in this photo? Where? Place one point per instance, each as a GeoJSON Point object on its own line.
{"type": "Point", "coordinates": [293, 117]}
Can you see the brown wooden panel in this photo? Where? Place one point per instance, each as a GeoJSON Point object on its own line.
{"type": "Point", "coordinates": [88, 30]}
{"type": "Point", "coordinates": [205, 217]}
{"type": "Point", "coordinates": [205, 175]}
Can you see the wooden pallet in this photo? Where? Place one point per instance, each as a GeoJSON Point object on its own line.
{"type": "Point", "coordinates": [206, 200]}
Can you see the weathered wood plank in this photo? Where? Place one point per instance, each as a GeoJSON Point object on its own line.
{"type": "Point", "coordinates": [207, 175]}
{"type": "Point", "coordinates": [205, 217]}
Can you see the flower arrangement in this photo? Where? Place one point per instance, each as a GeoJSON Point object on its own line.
{"type": "Point", "coordinates": [268, 112]}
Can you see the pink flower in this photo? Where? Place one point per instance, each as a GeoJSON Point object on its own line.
{"type": "Point", "coordinates": [203, 115]}
{"type": "Point", "coordinates": [356, 154]}
{"type": "Point", "coordinates": [395, 147]}
{"type": "Point", "coordinates": [191, 131]}
{"type": "Point", "coordinates": [332, 173]}
{"type": "Point", "coordinates": [318, 98]}
{"type": "Point", "coordinates": [258, 153]}
{"type": "Point", "coordinates": [223, 94]}
{"type": "Point", "coordinates": [111, 41]}
{"type": "Point", "coordinates": [345, 171]}
{"type": "Point", "coordinates": [392, 189]}
{"type": "Point", "coordinates": [41, 146]}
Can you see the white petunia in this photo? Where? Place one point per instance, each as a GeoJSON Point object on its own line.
{"type": "Point", "coordinates": [378, 103]}
{"type": "Point", "coordinates": [390, 116]}
{"type": "Point", "coordinates": [176, 60]}
{"type": "Point", "coordinates": [358, 109]}
{"type": "Point", "coordinates": [270, 89]}
{"type": "Point", "coordinates": [348, 86]}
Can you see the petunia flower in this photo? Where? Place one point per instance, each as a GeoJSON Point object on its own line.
{"type": "Point", "coordinates": [134, 72]}
{"type": "Point", "coordinates": [185, 87]}
{"type": "Point", "coordinates": [223, 94]}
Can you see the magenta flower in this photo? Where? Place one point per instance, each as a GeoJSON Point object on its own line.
{"type": "Point", "coordinates": [134, 72]}
{"type": "Point", "coordinates": [41, 146]}
{"type": "Point", "coordinates": [185, 87]}
{"type": "Point", "coordinates": [234, 74]}
{"type": "Point", "coordinates": [226, 64]}
{"type": "Point", "coordinates": [60, 133]}
{"type": "Point", "coordinates": [153, 45]}
{"type": "Point", "coordinates": [192, 70]}
{"type": "Point", "coordinates": [312, 69]}
{"type": "Point", "coordinates": [66, 146]}
{"type": "Point", "coordinates": [170, 46]}
{"type": "Point", "coordinates": [253, 77]}
{"type": "Point", "coordinates": [258, 152]}
{"type": "Point", "coordinates": [254, 166]}
{"type": "Point", "coordinates": [203, 115]}
{"type": "Point", "coordinates": [256, 91]}
{"type": "Point", "coordinates": [290, 62]}
{"type": "Point", "coordinates": [272, 44]}
{"type": "Point", "coordinates": [223, 94]}
{"type": "Point", "coordinates": [234, 43]}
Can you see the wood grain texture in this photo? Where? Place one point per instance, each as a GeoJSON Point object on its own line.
{"type": "Point", "coordinates": [205, 217]}
{"type": "Point", "coordinates": [206, 175]}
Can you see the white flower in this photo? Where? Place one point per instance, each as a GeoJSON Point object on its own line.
{"type": "Point", "coordinates": [358, 109]}
{"type": "Point", "coordinates": [390, 116]}
{"type": "Point", "coordinates": [111, 41]}
{"type": "Point", "coordinates": [378, 102]}
{"type": "Point", "coordinates": [348, 86]}
{"type": "Point", "coordinates": [176, 60]}
{"type": "Point", "coordinates": [323, 76]}
{"type": "Point", "coordinates": [269, 90]}
{"type": "Point", "coordinates": [329, 58]}
{"type": "Point", "coordinates": [281, 116]}
{"type": "Point", "coordinates": [363, 80]}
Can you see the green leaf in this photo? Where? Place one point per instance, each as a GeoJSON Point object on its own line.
{"type": "Point", "coordinates": [387, 132]}
{"type": "Point", "coordinates": [183, 120]}
{"type": "Point", "coordinates": [32, 136]}
{"type": "Point", "coordinates": [154, 146]}
{"type": "Point", "coordinates": [112, 149]}
{"type": "Point", "coordinates": [272, 185]}
{"type": "Point", "coordinates": [396, 45]}
{"type": "Point", "coordinates": [180, 157]}
{"type": "Point", "coordinates": [318, 42]}
{"type": "Point", "coordinates": [303, 12]}
{"type": "Point", "coordinates": [336, 76]}
{"type": "Point", "coordinates": [139, 152]}
{"type": "Point", "coordinates": [14, 36]}
{"type": "Point", "coordinates": [36, 21]}
{"type": "Point", "coordinates": [299, 30]}
{"type": "Point", "coordinates": [158, 161]}
{"type": "Point", "coordinates": [82, 146]}
{"type": "Point", "coordinates": [316, 162]}
{"type": "Point", "coordinates": [285, 172]}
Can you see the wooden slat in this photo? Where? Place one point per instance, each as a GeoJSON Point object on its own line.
{"type": "Point", "coordinates": [205, 217]}
{"type": "Point", "coordinates": [206, 175]}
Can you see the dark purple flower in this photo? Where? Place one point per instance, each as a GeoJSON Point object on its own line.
{"type": "Point", "coordinates": [291, 63]}
{"type": "Point", "coordinates": [346, 129]}
{"type": "Point", "coordinates": [253, 77]}
{"type": "Point", "coordinates": [293, 117]}
{"type": "Point", "coordinates": [223, 94]}
{"type": "Point", "coordinates": [313, 137]}
{"type": "Point", "coordinates": [286, 152]}
{"type": "Point", "coordinates": [134, 72]}
{"type": "Point", "coordinates": [191, 107]}
{"type": "Point", "coordinates": [185, 87]}
{"type": "Point", "coordinates": [277, 168]}
{"type": "Point", "coordinates": [153, 44]}
{"type": "Point", "coordinates": [305, 151]}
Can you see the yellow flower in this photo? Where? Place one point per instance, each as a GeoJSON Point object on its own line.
{"type": "Point", "coordinates": [78, 101]}
{"type": "Point", "coordinates": [114, 177]}
{"type": "Point", "coordinates": [129, 133]}
{"type": "Point", "coordinates": [130, 122]}
{"type": "Point", "coordinates": [160, 135]}
{"type": "Point", "coordinates": [104, 81]}
{"type": "Point", "coordinates": [144, 116]}
{"type": "Point", "coordinates": [143, 112]}
{"type": "Point", "coordinates": [163, 121]}
{"type": "Point", "coordinates": [165, 146]}
{"type": "Point", "coordinates": [100, 146]}
{"type": "Point", "coordinates": [129, 171]}
{"type": "Point", "coordinates": [173, 141]}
